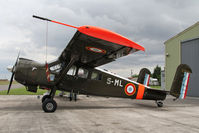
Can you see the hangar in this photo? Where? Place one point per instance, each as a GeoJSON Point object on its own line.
{"type": "Point", "coordinates": [183, 49]}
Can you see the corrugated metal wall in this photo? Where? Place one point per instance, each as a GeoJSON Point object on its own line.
{"type": "Point", "coordinates": [190, 56]}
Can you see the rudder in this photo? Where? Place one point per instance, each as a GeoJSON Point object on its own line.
{"type": "Point", "coordinates": [181, 80]}
{"type": "Point", "coordinates": [144, 76]}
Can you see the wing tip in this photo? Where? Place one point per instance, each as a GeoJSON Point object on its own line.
{"type": "Point", "coordinates": [108, 35]}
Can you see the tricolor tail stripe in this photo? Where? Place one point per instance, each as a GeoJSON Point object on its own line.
{"type": "Point", "coordinates": [184, 86]}
{"type": "Point", "coordinates": [146, 79]}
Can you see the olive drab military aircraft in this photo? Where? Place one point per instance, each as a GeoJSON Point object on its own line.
{"type": "Point", "coordinates": [76, 70]}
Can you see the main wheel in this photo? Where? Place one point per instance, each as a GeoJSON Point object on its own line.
{"type": "Point", "coordinates": [49, 105]}
{"type": "Point", "coordinates": [160, 104]}
{"type": "Point", "coordinates": [44, 98]}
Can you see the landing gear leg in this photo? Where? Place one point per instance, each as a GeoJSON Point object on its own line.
{"type": "Point", "coordinates": [71, 95]}
{"type": "Point", "coordinates": [49, 105]}
{"type": "Point", "coordinates": [75, 97]}
{"type": "Point", "coordinates": [159, 103]}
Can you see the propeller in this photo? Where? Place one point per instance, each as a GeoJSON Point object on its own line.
{"type": "Point", "coordinates": [13, 73]}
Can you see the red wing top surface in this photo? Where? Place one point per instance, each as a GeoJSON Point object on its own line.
{"type": "Point", "coordinates": [110, 36]}
{"type": "Point", "coordinates": [96, 46]}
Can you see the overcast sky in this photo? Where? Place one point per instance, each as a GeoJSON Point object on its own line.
{"type": "Point", "coordinates": [147, 22]}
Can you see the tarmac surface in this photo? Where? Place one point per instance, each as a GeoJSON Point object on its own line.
{"type": "Point", "coordinates": [14, 86]}
{"type": "Point", "coordinates": [23, 114]}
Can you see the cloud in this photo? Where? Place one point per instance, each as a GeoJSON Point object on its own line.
{"type": "Point", "coordinates": [148, 22]}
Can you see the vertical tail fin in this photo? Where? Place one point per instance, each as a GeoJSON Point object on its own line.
{"type": "Point", "coordinates": [181, 80]}
{"type": "Point", "coordinates": [144, 76]}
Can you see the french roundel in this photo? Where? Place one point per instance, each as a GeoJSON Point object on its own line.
{"type": "Point", "coordinates": [96, 50]}
{"type": "Point", "coordinates": [130, 89]}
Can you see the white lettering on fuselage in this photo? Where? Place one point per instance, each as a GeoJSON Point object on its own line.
{"type": "Point", "coordinates": [108, 81]}
{"type": "Point", "coordinates": [116, 82]}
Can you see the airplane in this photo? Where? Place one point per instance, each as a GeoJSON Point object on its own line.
{"type": "Point", "coordinates": [76, 70]}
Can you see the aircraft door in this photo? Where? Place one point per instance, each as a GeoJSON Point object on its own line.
{"type": "Point", "coordinates": [75, 78]}
{"type": "Point", "coordinates": [71, 78]}
{"type": "Point", "coordinates": [82, 75]}
{"type": "Point", "coordinates": [95, 85]}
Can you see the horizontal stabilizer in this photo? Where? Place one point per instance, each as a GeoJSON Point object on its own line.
{"type": "Point", "coordinates": [144, 76]}
{"type": "Point", "coordinates": [181, 80]}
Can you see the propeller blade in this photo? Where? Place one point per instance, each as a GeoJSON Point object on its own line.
{"type": "Point", "coordinates": [13, 73]}
{"type": "Point", "coordinates": [17, 58]}
{"type": "Point", "coordinates": [11, 79]}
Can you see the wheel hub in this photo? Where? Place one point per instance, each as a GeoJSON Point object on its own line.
{"type": "Point", "coordinates": [49, 106]}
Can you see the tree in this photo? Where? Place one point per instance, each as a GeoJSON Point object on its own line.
{"type": "Point", "coordinates": [157, 73]}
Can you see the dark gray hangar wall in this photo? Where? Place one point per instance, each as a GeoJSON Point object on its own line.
{"type": "Point", "coordinates": [190, 56]}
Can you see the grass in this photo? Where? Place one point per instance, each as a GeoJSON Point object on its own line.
{"type": "Point", "coordinates": [156, 87]}
{"type": "Point", "coordinates": [22, 91]}
{"type": "Point", "coordinates": [7, 82]}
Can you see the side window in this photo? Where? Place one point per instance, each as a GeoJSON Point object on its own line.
{"type": "Point", "coordinates": [52, 77]}
{"type": "Point", "coordinates": [56, 68]}
{"type": "Point", "coordinates": [72, 71]}
{"type": "Point", "coordinates": [96, 76]}
{"type": "Point", "coordinates": [82, 73]}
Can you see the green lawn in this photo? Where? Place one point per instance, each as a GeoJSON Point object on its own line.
{"type": "Point", "coordinates": [22, 91]}
{"type": "Point", "coordinates": [156, 87]}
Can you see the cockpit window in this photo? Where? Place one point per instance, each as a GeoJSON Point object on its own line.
{"type": "Point", "coordinates": [72, 71]}
{"type": "Point", "coordinates": [82, 73]}
{"type": "Point", "coordinates": [56, 68]}
{"type": "Point", "coordinates": [96, 76]}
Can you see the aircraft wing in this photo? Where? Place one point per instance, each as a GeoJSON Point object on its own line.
{"type": "Point", "coordinates": [96, 46]}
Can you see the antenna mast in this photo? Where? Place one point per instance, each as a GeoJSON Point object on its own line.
{"type": "Point", "coordinates": [46, 40]}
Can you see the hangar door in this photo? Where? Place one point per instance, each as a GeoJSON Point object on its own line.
{"type": "Point", "coordinates": [190, 56]}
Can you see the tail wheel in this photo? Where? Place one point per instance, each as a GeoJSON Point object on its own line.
{"type": "Point", "coordinates": [159, 104]}
{"type": "Point", "coordinates": [44, 98]}
{"type": "Point", "coordinates": [49, 105]}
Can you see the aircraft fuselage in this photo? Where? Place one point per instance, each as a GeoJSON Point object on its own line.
{"type": "Point", "coordinates": [82, 80]}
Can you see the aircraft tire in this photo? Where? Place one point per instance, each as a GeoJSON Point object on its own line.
{"type": "Point", "coordinates": [44, 98]}
{"type": "Point", "coordinates": [49, 105]}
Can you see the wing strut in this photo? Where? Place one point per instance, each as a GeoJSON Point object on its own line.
{"type": "Point", "coordinates": [73, 59]}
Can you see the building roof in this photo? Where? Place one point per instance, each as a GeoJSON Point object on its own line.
{"type": "Point", "coordinates": [189, 28]}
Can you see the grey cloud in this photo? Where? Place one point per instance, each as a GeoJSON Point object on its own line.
{"type": "Point", "coordinates": [147, 22]}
